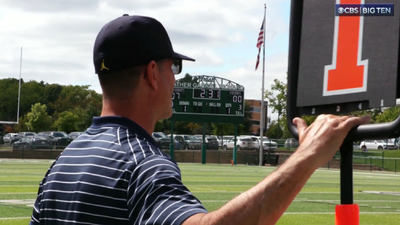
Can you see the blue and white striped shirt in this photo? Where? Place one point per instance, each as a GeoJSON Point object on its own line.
{"type": "Point", "coordinates": [113, 173]}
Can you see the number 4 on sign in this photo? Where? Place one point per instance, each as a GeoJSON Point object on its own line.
{"type": "Point", "coordinates": [347, 73]}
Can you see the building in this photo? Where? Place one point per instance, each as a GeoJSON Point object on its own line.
{"type": "Point", "coordinates": [255, 110]}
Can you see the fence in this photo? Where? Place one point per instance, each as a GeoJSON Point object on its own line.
{"type": "Point", "coordinates": [372, 161]}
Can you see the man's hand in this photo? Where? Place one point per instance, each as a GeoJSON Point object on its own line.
{"type": "Point", "coordinates": [323, 138]}
{"type": "Point", "coordinates": [267, 201]}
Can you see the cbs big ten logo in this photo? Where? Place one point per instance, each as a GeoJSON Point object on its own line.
{"type": "Point", "coordinates": [348, 10]}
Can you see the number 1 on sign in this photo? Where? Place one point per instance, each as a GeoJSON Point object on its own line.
{"type": "Point", "coordinates": [347, 73]}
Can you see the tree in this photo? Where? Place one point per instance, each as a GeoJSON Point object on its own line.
{"type": "Point", "coordinates": [388, 115]}
{"type": "Point", "coordinates": [246, 126]}
{"type": "Point", "coordinates": [51, 94]}
{"type": "Point", "coordinates": [38, 119]}
{"type": "Point", "coordinates": [32, 92]}
{"type": "Point", "coordinates": [67, 121]}
{"type": "Point", "coordinates": [92, 109]}
{"type": "Point", "coordinates": [22, 125]}
{"type": "Point", "coordinates": [9, 99]}
{"type": "Point", "coordinates": [7, 129]}
{"type": "Point", "coordinates": [221, 129]}
{"type": "Point", "coordinates": [159, 126]}
{"type": "Point", "coordinates": [309, 119]}
{"type": "Point", "coordinates": [277, 98]}
{"type": "Point", "coordinates": [274, 130]}
{"type": "Point", "coordinates": [73, 96]}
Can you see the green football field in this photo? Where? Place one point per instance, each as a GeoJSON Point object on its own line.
{"type": "Point", "coordinates": [377, 194]}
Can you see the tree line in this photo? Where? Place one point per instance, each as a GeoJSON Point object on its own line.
{"type": "Point", "coordinates": [69, 108]}
{"type": "Point", "coordinates": [45, 107]}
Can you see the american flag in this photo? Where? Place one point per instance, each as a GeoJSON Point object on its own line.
{"type": "Point", "coordinates": [260, 41]}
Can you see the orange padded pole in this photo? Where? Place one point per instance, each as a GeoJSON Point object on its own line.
{"type": "Point", "coordinates": [347, 214]}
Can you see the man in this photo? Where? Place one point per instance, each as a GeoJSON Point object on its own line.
{"type": "Point", "coordinates": [114, 173]}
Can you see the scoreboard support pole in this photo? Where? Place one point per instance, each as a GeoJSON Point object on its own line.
{"type": "Point", "coordinates": [172, 144]}
{"type": "Point", "coordinates": [203, 145]}
{"type": "Point", "coordinates": [347, 213]}
{"type": "Point", "coordinates": [234, 145]}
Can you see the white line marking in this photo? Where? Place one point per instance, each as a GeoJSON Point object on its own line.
{"type": "Point", "coordinates": [364, 173]}
{"type": "Point", "coordinates": [14, 218]}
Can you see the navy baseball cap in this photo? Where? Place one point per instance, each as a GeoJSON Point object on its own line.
{"type": "Point", "coordinates": [130, 41]}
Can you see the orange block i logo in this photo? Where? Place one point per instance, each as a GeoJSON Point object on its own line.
{"type": "Point", "coordinates": [347, 73]}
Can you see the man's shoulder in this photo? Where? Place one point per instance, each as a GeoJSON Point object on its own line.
{"type": "Point", "coordinates": [119, 140]}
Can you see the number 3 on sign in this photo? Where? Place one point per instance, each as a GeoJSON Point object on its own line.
{"type": "Point", "coordinates": [346, 56]}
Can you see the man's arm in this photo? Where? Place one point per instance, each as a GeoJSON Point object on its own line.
{"type": "Point", "coordinates": [267, 201]}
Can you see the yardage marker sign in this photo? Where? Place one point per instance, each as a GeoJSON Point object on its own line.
{"type": "Point", "coordinates": [347, 62]}
{"type": "Point", "coordinates": [347, 73]}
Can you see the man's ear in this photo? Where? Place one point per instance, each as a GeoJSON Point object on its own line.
{"type": "Point", "coordinates": [151, 76]}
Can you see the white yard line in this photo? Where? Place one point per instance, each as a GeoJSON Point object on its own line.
{"type": "Point", "coordinates": [17, 193]}
{"type": "Point", "coordinates": [378, 174]}
{"type": "Point", "coordinates": [14, 218]}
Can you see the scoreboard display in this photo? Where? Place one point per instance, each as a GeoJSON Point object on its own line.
{"type": "Point", "coordinates": [205, 102]}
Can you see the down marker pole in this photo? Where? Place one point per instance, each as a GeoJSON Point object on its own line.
{"type": "Point", "coordinates": [347, 213]}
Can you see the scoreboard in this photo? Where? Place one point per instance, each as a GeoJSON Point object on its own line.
{"type": "Point", "coordinates": [207, 103]}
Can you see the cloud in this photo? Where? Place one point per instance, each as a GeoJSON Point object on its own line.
{"type": "Point", "coordinates": [57, 37]}
{"type": "Point", "coordinates": [275, 68]}
{"type": "Point", "coordinates": [55, 6]}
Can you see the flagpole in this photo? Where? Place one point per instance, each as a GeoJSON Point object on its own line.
{"type": "Point", "coordinates": [262, 111]}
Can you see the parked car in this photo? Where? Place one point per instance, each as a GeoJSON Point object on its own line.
{"type": "Point", "coordinates": [1, 138]}
{"type": "Point", "coordinates": [211, 141]}
{"type": "Point", "coordinates": [242, 143]}
{"type": "Point", "coordinates": [268, 144]}
{"type": "Point", "coordinates": [188, 141]}
{"type": "Point", "coordinates": [57, 138]}
{"type": "Point", "coordinates": [32, 142]}
{"type": "Point", "coordinates": [164, 141]}
{"type": "Point", "coordinates": [74, 135]}
{"type": "Point", "coordinates": [20, 135]}
{"type": "Point", "coordinates": [356, 146]}
{"type": "Point", "coordinates": [7, 137]}
{"type": "Point", "coordinates": [222, 140]}
{"type": "Point", "coordinates": [376, 144]}
{"type": "Point", "coordinates": [291, 143]}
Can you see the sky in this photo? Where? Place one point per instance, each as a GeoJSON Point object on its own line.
{"type": "Point", "coordinates": [57, 38]}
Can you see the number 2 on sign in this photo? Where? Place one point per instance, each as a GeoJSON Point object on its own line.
{"type": "Point", "coordinates": [348, 72]}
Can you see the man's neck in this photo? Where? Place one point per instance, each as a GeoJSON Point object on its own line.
{"type": "Point", "coordinates": [142, 115]}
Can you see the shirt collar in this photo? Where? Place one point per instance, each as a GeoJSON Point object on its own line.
{"type": "Point", "coordinates": [119, 121]}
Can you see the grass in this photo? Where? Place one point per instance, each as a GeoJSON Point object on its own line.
{"type": "Point", "coordinates": [215, 185]}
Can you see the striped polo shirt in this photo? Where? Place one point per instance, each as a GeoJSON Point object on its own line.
{"type": "Point", "coordinates": [114, 173]}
